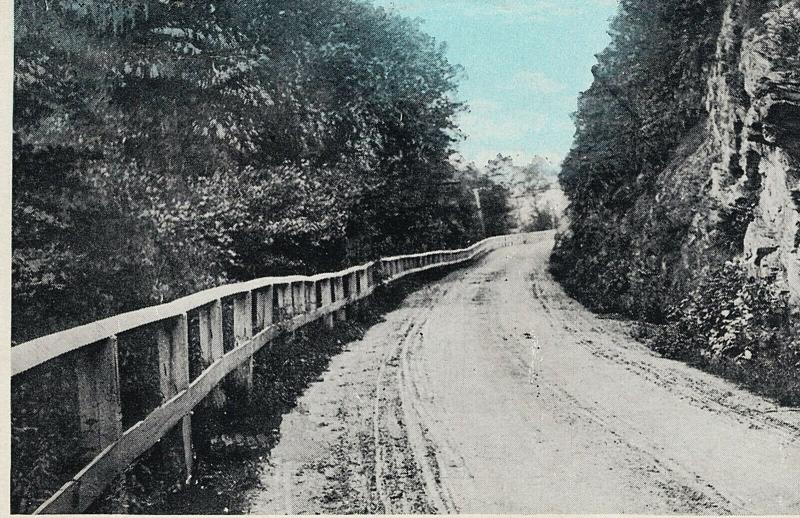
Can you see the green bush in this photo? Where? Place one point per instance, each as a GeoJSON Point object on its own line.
{"type": "Point", "coordinates": [739, 326]}
{"type": "Point", "coordinates": [541, 220]}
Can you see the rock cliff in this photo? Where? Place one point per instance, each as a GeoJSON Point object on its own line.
{"type": "Point", "coordinates": [753, 102]}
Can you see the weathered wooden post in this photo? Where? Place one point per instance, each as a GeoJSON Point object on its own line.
{"type": "Point", "coordinates": [263, 308]}
{"type": "Point", "coordinates": [211, 348]}
{"type": "Point", "coordinates": [97, 371]}
{"type": "Point", "coordinates": [352, 292]}
{"type": "Point", "coordinates": [338, 287]}
{"type": "Point", "coordinates": [311, 296]}
{"type": "Point", "coordinates": [280, 301]}
{"type": "Point", "coordinates": [243, 332]}
{"type": "Point", "coordinates": [173, 368]}
{"type": "Point", "coordinates": [371, 274]}
{"type": "Point", "coordinates": [268, 299]}
{"type": "Point", "coordinates": [325, 293]}
{"type": "Point", "coordinates": [352, 283]}
{"type": "Point", "coordinates": [299, 298]}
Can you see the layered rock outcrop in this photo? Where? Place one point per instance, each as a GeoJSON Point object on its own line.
{"type": "Point", "coordinates": [753, 103]}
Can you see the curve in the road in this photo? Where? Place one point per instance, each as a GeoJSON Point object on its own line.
{"type": "Point", "coordinates": [492, 391]}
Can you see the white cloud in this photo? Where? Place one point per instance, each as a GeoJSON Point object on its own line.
{"type": "Point", "coordinates": [536, 82]}
{"type": "Point", "coordinates": [485, 125]}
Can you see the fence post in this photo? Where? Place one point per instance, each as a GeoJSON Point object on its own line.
{"type": "Point", "coordinates": [266, 307]}
{"type": "Point", "coordinates": [311, 296]}
{"type": "Point", "coordinates": [243, 332]}
{"type": "Point", "coordinates": [299, 297]}
{"type": "Point", "coordinates": [290, 302]}
{"type": "Point", "coordinates": [352, 287]}
{"type": "Point", "coordinates": [97, 373]}
{"type": "Point", "coordinates": [325, 292]}
{"type": "Point", "coordinates": [338, 287]}
{"type": "Point", "coordinates": [352, 293]}
{"type": "Point", "coordinates": [211, 348]}
{"type": "Point", "coordinates": [173, 368]}
{"type": "Point", "coordinates": [258, 310]}
{"type": "Point", "coordinates": [280, 306]}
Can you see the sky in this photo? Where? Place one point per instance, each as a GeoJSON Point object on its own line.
{"type": "Point", "coordinates": [525, 62]}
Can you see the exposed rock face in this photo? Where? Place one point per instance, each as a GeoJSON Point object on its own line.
{"type": "Point", "coordinates": [753, 143]}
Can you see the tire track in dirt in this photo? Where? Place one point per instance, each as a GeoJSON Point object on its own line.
{"type": "Point", "coordinates": [676, 480]}
{"type": "Point", "coordinates": [569, 406]}
{"type": "Point", "coordinates": [402, 453]}
{"type": "Point", "coordinates": [423, 449]}
{"type": "Point", "coordinates": [702, 394]}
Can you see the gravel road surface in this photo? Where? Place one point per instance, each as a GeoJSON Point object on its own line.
{"type": "Point", "coordinates": [491, 391]}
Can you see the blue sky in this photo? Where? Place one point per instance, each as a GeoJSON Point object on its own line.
{"type": "Point", "coordinates": [525, 62]}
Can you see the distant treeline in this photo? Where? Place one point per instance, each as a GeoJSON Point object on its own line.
{"type": "Point", "coordinates": [161, 147]}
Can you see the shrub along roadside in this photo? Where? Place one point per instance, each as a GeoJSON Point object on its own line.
{"type": "Point", "coordinates": [738, 327]}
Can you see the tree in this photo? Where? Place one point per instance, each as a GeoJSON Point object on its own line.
{"type": "Point", "coordinates": [228, 141]}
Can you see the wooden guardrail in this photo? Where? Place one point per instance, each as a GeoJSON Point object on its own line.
{"type": "Point", "coordinates": [263, 309]}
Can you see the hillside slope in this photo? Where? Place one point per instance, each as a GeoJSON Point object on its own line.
{"type": "Point", "coordinates": [684, 184]}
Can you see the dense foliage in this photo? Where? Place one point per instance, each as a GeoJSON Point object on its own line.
{"type": "Point", "coordinates": [647, 94]}
{"type": "Point", "coordinates": [161, 147]}
{"type": "Point", "coordinates": [740, 327]}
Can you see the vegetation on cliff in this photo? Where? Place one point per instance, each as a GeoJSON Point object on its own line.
{"type": "Point", "coordinates": [650, 236]}
{"type": "Point", "coordinates": [647, 94]}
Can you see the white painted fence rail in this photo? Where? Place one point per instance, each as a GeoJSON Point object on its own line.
{"type": "Point", "coordinates": [263, 309]}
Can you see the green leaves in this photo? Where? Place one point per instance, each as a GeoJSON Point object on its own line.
{"type": "Point", "coordinates": [647, 96]}
{"type": "Point", "coordinates": [223, 142]}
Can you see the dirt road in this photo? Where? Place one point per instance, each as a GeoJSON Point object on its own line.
{"type": "Point", "coordinates": [492, 391]}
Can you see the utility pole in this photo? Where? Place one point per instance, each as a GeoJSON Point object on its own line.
{"type": "Point", "coordinates": [477, 193]}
